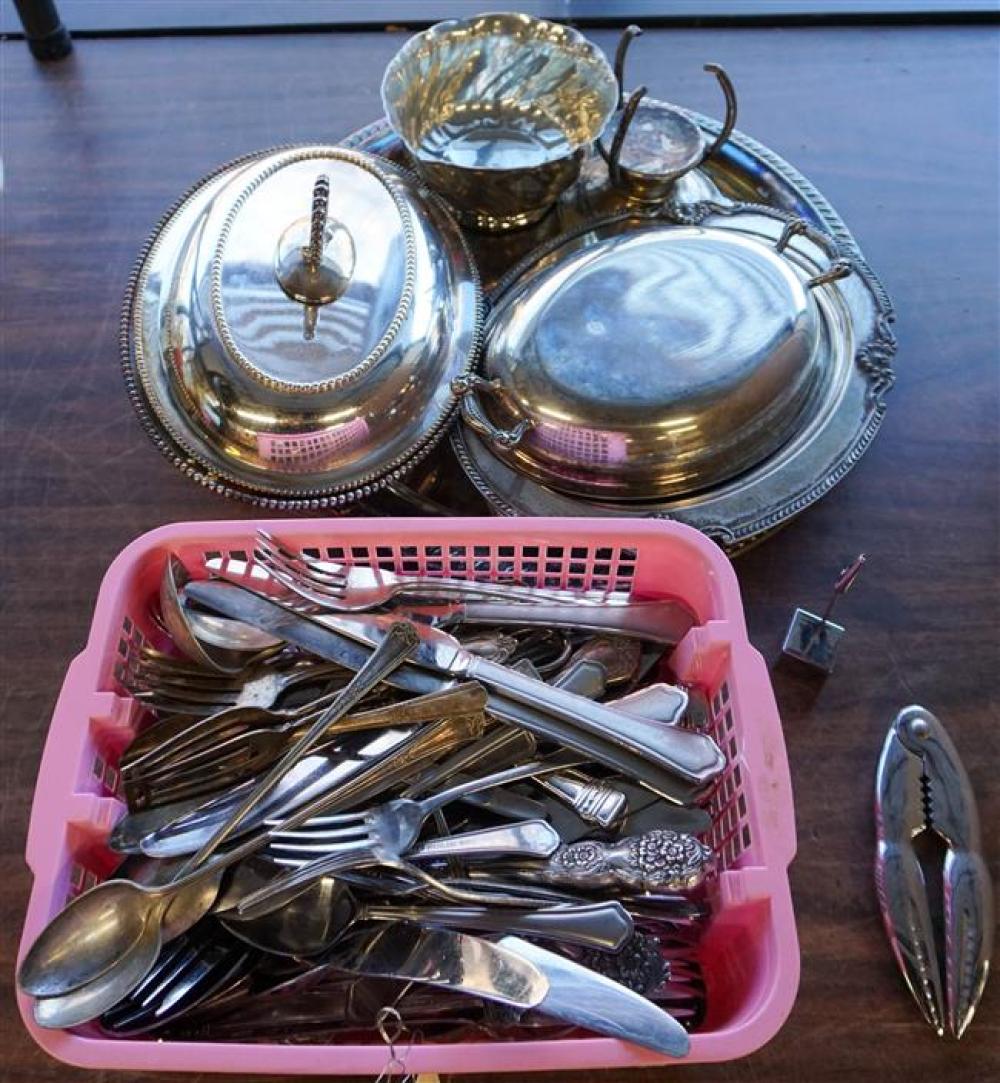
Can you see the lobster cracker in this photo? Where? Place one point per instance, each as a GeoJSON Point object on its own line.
{"type": "Point", "coordinates": [922, 785]}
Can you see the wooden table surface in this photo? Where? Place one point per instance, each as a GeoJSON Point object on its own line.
{"type": "Point", "coordinates": [898, 127]}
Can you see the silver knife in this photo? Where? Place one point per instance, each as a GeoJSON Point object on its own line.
{"type": "Point", "coordinates": [443, 958]}
{"type": "Point", "coordinates": [564, 990]}
{"type": "Point", "coordinates": [587, 999]}
{"type": "Point", "coordinates": [693, 757]}
{"type": "Point", "coordinates": [664, 622]}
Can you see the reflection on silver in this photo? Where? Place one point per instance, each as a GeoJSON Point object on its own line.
{"type": "Point", "coordinates": [226, 349]}
{"type": "Point", "coordinates": [304, 454]}
{"type": "Point", "coordinates": [941, 937]}
{"type": "Point", "coordinates": [857, 346]}
{"type": "Point", "coordinates": [491, 135]}
{"type": "Point", "coordinates": [496, 110]}
{"type": "Point", "coordinates": [444, 958]}
{"type": "Point", "coordinates": [654, 144]}
{"type": "Point", "coordinates": [316, 256]}
{"type": "Point", "coordinates": [649, 360]}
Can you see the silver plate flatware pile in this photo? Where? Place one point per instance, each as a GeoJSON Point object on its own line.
{"type": "Point", "coordinates": [476, 804]}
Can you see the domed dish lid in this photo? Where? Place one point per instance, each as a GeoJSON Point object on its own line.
{"type": "Point", "coordinates": [636, 360]}
{"type": "Point", "coordinates": [297, 320]}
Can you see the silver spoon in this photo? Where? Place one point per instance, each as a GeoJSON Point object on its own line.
{"type": "Point", "coordinates": [96, 997]}
{"type": "Point", "coordinates": [174, 617]}
{"type": "Point", "coordinates": [189, 906]}
{"type": "Point", "coordinates": [233, 635]}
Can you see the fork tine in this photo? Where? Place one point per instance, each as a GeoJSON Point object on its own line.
{"type": "Point", "coordinates": [233, 751]}
{"type": "Point", "coordinates": [181, 685]}
{"type": "Point", "coordinates": [182, 748]}
{"type": "Point", "coordinates": [266, 539]}
{"type": "Point", "coordinates": [168, 707]}
{"type": "Point", "coordinates": [178, 694]}
{"type": "Point", "coordinates": [291, 862]}
{"type": "Point", "coordinates": [307, 590]}
{"type": "Point", "coordinates": [150, 740]}
{"type": "Point", "coordinates": [298, 838]}
{"type": "Point", "coordinates": [209, 731]}
{"type": "Point", "coordinates": [171, 667]}
{"type": "Point", "coordinates": [261, 661]}
{"type": "Point", "coordinates": [135, 1009]}
{"type": "Point", "coordinates": [324, 821]}
{"type": "Point", "coordinates": [332, 576]}
{"type": "Point", "coordinates": [168, 694]}
{"type": "Point", "coordinates": [168, 740]}
{"type": "Point", "coordinates": [142, 795]}
{"type": "Point", "coordinates": [327, 571]}
{"type": "Point", "coordinates": [167, 768]}
{"type": "Point", "coordinates": [166, 960]}
{"type": "Point", "coordinates": [278, 567]}
{"type": "Point", "coordinates": [324, 570]}
{"type": "Point", "coordinates": [270, 550]}
{"type": "Point", "coordinates": [307, 851]}
{"type": "Point", "coordinates": [208, 788]}
{"type": "Point", "coordinates": [145, 672]}
{"type": "Point", "coordinates": [182, 679]}
{"type": "Point", "coordinates": [320, 573]}
{"type": "Point", "coordinates": [166, 663]}
{"type": "Point", "coordinates": [184, 960]}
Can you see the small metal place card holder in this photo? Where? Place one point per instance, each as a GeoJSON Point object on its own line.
{"type": "Point", "coordinates": [812, 639]}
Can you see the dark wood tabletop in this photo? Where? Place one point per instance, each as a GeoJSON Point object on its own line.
{"type": "Point", "coordinates": [897, 126]}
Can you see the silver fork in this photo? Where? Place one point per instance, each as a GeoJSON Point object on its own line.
{"type": "Point", "coordinates": [379, 835]}
{"type": "Point", "coordinates": [660, 620]}
{"type": "Point", "coordinates": [167, 689]}
{"type": "Point", "coordinates": [354, 588]}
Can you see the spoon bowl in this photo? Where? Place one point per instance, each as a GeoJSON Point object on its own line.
{"type": "Point", "coordinates": [90, 936]}
{"type": "Point", "coordinates": [306, 925]}
{"type": "Point", "coordinates": [232, 635]}
{"type": "Point", "coordinates": [97, 996]}
{"type": "Point", "coordinates": [175, 619]}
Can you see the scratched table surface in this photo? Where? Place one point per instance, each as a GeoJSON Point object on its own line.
{"type": "Point", "coordinates": [897, 126]}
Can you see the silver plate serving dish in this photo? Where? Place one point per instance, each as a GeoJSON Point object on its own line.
{"type": "Point", "coordinates": [820, 358]}
{"type": "Point", "coordinates": [634, 359]}
{"type": "Point", "coordinates": [293, 326]}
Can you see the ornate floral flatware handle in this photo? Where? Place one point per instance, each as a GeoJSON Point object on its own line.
{"type": "Point", "coordinates": [658, 860]}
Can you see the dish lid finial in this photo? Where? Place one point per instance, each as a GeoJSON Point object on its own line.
{"type": "Point", "coordinates": [315, 257]}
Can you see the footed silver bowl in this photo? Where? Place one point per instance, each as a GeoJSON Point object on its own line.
{"type": "Point", "coordinates": [496, 112]}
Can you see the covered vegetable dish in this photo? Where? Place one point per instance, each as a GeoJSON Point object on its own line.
{"type": "Point", "coordinates": [294, 325]}
{"type": "Point", "coordinates": [638, 360]}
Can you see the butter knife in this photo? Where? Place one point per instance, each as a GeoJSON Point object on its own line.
{"type": "Point", "coordinates": [664, 622]}
{"type": "Point", "coordinates": [514, 972]}
{"type": "Point", "coordinates": [441, 957]}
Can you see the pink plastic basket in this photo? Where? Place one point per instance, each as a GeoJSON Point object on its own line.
{"type": "Point", "coordinates": [750, 951]}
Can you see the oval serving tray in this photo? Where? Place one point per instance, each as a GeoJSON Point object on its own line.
{"type": "Point", "coordinates": [743, 177]}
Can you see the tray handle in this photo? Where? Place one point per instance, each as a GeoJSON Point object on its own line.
{"type": "Point", "coordinates": [838, 268]}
